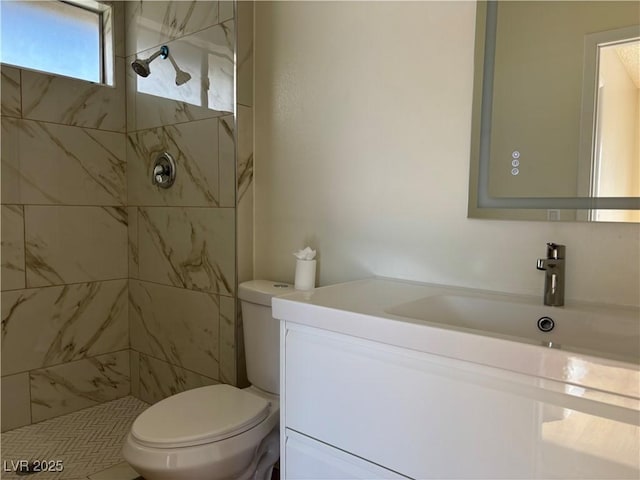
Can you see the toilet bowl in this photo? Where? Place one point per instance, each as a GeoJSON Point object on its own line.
{"type": "Point", "coordinates": [219, 431]}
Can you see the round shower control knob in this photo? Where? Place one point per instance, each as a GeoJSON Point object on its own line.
{"type": "Point", "coordinates": [164, 171]}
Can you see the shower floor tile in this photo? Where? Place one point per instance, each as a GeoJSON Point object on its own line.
{"type": "Point", "coordinates": [88, 443]}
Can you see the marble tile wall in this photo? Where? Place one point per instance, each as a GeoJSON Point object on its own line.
{"type": "Point", "coordinates": [111, 285]}
{"type": "Point", "coordinates": [182, 245]}
{"type": "Point", "coordinates": [64, 270]}
{"type": "Point", "coordinates": [244, 164]}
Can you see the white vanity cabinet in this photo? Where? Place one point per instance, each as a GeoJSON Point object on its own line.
{"type": "Point", "coordinates": [361, 399]}
{"type": "Point", "coordinates": [362, 404]}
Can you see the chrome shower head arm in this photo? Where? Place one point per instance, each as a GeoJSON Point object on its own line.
{"type": "Point", "coordinates": [164, 51]}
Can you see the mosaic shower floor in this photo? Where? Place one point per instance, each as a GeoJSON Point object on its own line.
{"type": "Point", "coordinates": [87, 443]}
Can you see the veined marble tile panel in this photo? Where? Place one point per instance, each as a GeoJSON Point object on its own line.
{"type": "Point", "coordinates": [226, 9]}
{"type": "Point", "coordinates": [10, 158]}
{"type": "Point", "coordinates": [157, 100]}
{"type": "Point", "coordinates": [16, 408]}
{"type": "Point", "coordinates": [227, 161]}
{"type": "Point", "coordinates": [12, 247]}
{"type": "Point", "coordinates": [75, 244]}
{"type": "Point", "coordinates": [159, 379]}
{"type": "Point", "coordinates": [71, 386]}
{"type": "Point", "coordinates": [68, 165]}
{"type": "Point", "coordinates": [228, 340]}
{"type": "Point", "coordinates": [245, 150]}
{"type": "Point", "coordinates": [194, 146]}
{"type": "Point", "coordinates": [152, 23]}
{"type": "Point", "coordinates": [244, 230]}
{"type": "Point", "coordinates": [244, 21]}
{"type": "Point", "coordinates": [177, 325]}
{"type": "Point", "coordinates": [134, 357]}
{"type": "Point", "coordinates": [191, 248]}
{"type": "Point", "coordinates": [52, 325]}
{"type": "Point", "coordinates": [10, 91]}
{"type": "Point", "coordinates": [70, 101]}
{"type": "Point", "coordinates": [133, 256]}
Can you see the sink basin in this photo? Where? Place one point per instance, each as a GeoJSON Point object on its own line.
{"type": "Point", "coordinates": [612, 333]}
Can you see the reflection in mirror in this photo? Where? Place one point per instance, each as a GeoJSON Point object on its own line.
{"type": "Point", "coordinates": [615, 159]}
{"type": "Point", "coordinates": [556, 111]}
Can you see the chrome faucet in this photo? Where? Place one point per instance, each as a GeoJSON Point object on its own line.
{"type": "Point", "coordinates": [553, 266]}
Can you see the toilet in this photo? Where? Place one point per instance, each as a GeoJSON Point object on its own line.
{"type": "Point", "coordinates": [219, 431]}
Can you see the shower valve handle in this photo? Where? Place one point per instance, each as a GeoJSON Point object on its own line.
{"type": "Point", "coordinates": [164, 171]}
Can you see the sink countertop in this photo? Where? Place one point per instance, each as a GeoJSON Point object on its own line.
{"type": "Point", "coordinates": [362, 309]}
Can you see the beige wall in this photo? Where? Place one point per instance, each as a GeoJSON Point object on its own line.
{"type": "Point", "coordinates": [363, 114]}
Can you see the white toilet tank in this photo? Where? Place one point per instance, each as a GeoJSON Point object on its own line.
{"type": "Point", "coordinates": [261, 332]}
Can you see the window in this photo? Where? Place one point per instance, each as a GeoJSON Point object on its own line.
{"type": "Point", "coordinates": [55, 37]}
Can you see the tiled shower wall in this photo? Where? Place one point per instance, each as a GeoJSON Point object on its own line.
{"type": "Point", "coordinates": [182, 290]}
{"type": "Point", "coordinates": [244, 166]}
{"type": "Point", "coordinates": [111, 285]}
{"type": "Point", "coordinates": [64, 243]}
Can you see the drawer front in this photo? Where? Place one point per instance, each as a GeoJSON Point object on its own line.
{"type": "Point", "coordinates": [308, 459]}
{"type": "Point", "coordinates": [399, 410]}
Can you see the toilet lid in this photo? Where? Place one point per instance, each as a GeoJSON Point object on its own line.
{"type": "Point", "coordinates": [198, 416]}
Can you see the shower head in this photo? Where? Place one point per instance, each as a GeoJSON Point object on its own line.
{"type": "Point", "coordinates": [181, 76]}
{"type": "Point", "coordinates": [141, 66]}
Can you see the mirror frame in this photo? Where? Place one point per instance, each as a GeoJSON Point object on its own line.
{"type": "Point", "coordinates": [481, 204]}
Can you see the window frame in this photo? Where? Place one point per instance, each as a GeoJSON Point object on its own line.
{"type": "Point", "coordinates": [106, 41]}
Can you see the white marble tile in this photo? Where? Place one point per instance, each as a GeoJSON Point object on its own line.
{"type": "Point", "coordinates": [227, 161]}
{"type": "Point", "coordinates": [226, 9]}
{"type": "Point", "coordinates": [244, 82]}
{"type": "Point", "coordinates": [75, 244]}
{"type": "Point", "coordinates": [72, 386]}
{"type": "Point", "coordinates": [52, 325]}
{"type": "Point", "coordinates": [16, 408]}
{"type": "Point", "coordinates": [134, 359]}
{"type": "Point", "coordinates": [159, 379]}
{"type": "Point", "coordinates": [188, 247]}
{"type": "Point", "coordinates": [66, 165]}
{"type": "Point", "coordinates": [113, 38]}
{"type": "Point", "coordinates": [133, 255]}
{"type": "Point", "coordinates": [70, 101]}
{"type": "Point", "coordinates": [12, 254]}
{"type": "Point", "coordinates": [244, 141]}
{"type": "Point", "coordinates": [208, 57]}
{"type": "Point", "coordinates": [194, 146]}
{"type": "Point", "coordinates": [152, 23]}
{"type": "Point", "coordinates": [122, 471]}
{"type": "Point", "coordinates": [244, 217]}
{"type": "Point", "coordinates": [10, 91]}
{"type": "Point", "coordinates": [228, 340]}
{"type": "Point", "coordinates": [10, 159]}
{"type": "Point", "coordinates": [177, 325]}
{"type": "Point", "coordinates": [118, 25]}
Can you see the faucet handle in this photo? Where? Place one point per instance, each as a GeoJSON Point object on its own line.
{"type": "Point", "coordinates": [555, 251]}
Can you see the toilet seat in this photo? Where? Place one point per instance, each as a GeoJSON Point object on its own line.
{"type": "Point", "coordinates": [199, 416]}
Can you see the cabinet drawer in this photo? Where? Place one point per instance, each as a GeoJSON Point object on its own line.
{"type": "Point", "coordinates": [404, 410]}
{"type": "Point", "coordinates": [307, 459]}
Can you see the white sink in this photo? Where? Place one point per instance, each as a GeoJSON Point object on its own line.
{"type": "Point", "coordinates": [612, 334]}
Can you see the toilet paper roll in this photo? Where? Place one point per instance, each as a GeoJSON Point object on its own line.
{"type": "Point", "coordinates": [305, 275]}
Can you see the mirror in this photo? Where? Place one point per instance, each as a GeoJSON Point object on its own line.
{"type": "Point", "coordinates": [556, 111]}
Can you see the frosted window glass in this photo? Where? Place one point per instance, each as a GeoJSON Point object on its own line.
{"type": "Point", "coordinates": [51, 36]}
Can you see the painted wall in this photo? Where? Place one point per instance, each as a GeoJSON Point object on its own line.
{"type": "Point", "coordinates": [65, 343]}
{"type": "Point", "coordinates": [182, 269]}
{"type": "Point", "coordinates": [363, 113]}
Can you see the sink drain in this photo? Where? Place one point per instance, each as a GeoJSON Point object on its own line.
{"type": "Point", "coordinates": [546, 324]}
